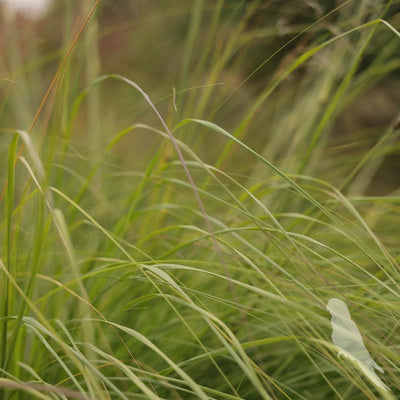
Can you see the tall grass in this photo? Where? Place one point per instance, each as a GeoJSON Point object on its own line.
{"type": "Point", "coordinates": [183, 241]}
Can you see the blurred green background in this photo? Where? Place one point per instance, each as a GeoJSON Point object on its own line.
{"type": "Point", "coordinates": [220, 57]}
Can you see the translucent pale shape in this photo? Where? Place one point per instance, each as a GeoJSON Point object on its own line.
{"type": "Point", "coordinates": [347, 338]}
{"type": "Point", "coordinates": [32, 9]}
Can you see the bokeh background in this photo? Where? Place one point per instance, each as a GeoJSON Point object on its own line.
{"type": "Point", "coordinates": [219, 57]}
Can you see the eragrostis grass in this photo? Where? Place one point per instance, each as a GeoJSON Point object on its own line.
{"type": "Point", "coordinates": [208, 241]}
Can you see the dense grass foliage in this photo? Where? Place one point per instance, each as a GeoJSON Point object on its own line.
{"type": "Point", "coordinates": [185, 185]}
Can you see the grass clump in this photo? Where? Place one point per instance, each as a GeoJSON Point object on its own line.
{"type": "Point", "coordinates": [184, 241]}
